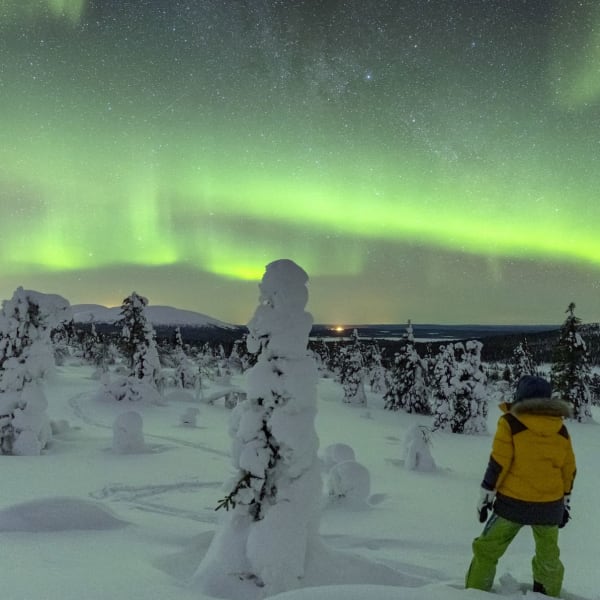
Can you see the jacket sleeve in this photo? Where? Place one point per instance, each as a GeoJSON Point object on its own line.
{"type": "Point", "coordinates": [569, 469]}
{"type": "Point", "coordinates": [501, 457]}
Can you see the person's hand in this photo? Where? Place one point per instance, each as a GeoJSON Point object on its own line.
{"type": "Point", "coordinates": [485, 504]}
{"type": "Point", "coordinates": [567, 510]}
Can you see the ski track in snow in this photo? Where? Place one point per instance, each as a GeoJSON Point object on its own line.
{"type": "Point", "coordinates": [139, 497]}
{"type": "Point", "coordinates": [144, 497]}
{"type": "Point", "coordinates": [74, 403]}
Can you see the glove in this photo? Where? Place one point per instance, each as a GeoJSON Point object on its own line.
{"type": "Point", "coordinates": [485, 504]}
{"type": "Point", "coordinates": [567, 510]}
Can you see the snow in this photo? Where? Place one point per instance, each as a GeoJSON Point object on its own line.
{"type": "Point", "coordinates": [81, 522]}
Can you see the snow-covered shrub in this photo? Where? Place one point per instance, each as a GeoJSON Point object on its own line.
{"type": "Point", "coordinates": [337, 453]}
{"type": "Point", "coordinates": [128, 433]}
{"type": "Point", "coordinates": [189, 417]}
{"type": "Point", "coordinates": [349, 483]}
{"type": "Point", "coordinates": [273, 499]}
{"type": "Point", "coordinates": [417, 449]}
{"type": "Point", "coordinates": [233, 398]}
{"type": "Point", "coordinates": [59, 427]}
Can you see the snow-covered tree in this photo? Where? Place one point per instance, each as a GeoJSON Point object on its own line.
{"type": "Point", "coordinates": [187, 373]}
{"type": "Point", "coordinates": [522, 362]}
{"type": "Point", "coordinates": [571, 373]}
{"type": "Point", "coordinates": [442, 389]}
{"type": "Point", "coordinates": [458, 397]}
{"type": "Point", "coordinates": [89, 344]}
{"type": "Point", "coordinates": [138, 339]}
{"type": "Point", "coordinates": [595, 389]}
{"type": "Point", "coordinates": [352, 373]}
{"type": "Point", "coordinates": [26, 356]}
{"type": "Point", "coordinates": [235, 362]}
{"type": "Point", "coordinates": [335, 360]}
{"type": "Point", "coordinates": [26, 322]}
{"type": "Point", "coordinates": [321, 354]}
{"type": "Point", "coordinates": [273, 499]}
{"type": "Point", "coordinates": [406, 384]}
{"type": "Point", "coordinates": [375, 369]}
{"type": "Point", "coordinates": [470, 408]}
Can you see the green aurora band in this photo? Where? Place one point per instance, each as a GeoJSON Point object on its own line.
{"type": "Point", "coordinates": [134, 155]}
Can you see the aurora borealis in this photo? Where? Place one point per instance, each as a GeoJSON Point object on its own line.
{"type": "Point", "coordinates": [435, 161]}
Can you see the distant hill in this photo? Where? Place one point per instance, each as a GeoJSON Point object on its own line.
{"type": "Point", "coordinates": [196, 328]}
{"type": "Point", "coordinates": [156, 314]}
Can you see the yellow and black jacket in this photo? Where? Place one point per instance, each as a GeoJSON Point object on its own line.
{"type": "Point", "coordinates": [532, 465]}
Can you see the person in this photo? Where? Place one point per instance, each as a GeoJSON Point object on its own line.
{"type": "Point", "coordinates": [528, 481]}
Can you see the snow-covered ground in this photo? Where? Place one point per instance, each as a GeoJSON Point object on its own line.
{"type": "Point", "coordinates": [82, 522]}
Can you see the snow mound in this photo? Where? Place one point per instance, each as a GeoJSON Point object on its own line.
{"type": "Point", "coordinates": [337, 453]}
{"type": "Point", "coordinates": [379, 592]}
{"type": "Point", "coordinates": [349, 483]}
{"type": "Point", "coordinates": [128, 433]}
{"type": "Point", "coordinates": [344, 592]}
{"type": "Point", "coordinates": [58, 514]}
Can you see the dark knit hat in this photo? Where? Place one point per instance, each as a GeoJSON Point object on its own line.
{"type": "Point", "coordinates": [530, 386]}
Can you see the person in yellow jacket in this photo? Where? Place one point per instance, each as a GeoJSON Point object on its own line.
{"type": "Point", "coordinates": [528, 481]}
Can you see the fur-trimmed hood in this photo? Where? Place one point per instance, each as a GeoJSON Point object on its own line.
{"type": "Point", "coordinates": [549, 407]}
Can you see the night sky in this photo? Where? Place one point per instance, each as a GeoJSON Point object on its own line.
{"type": "Point", "coordinates": [428, 160]}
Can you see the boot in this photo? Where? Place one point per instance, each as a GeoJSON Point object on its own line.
{"type": "Point", "coordinates": [538, 587]}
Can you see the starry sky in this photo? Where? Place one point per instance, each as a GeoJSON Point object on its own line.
{"type": "Point", "coordinates": [435, 161]}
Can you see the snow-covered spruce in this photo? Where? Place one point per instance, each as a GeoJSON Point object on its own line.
{"type": "Point", "coordinates": [459, 397]}
{"type": "Point", "coordinates": [352, 373]}
{"type": "Point", "coordinates": [522, 362]}
{"type": "Point", "coordinates": [138, 340]}
{"type": "Point", "coordinates": [187, 373]}
{"type": "Point", "coordinates": [406, 386]}
{"type": "Point", "coordinates": [26, 356]}
{"type": "Point", "coordinates": [443, 392]}
{"type": "Point", "coordinates": [571, 374]}
{"type": "Point", "coordinates": [273, 500]}
{"type": "Point", "coordinates": [375, 369]}
{"type": "Point", "coordinates": [470, 408]}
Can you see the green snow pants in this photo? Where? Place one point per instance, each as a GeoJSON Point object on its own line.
{"type": "Point", "coordinates": [493, 542]}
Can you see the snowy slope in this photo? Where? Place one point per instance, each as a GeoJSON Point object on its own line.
{"type": "Point", "coordinates": [157, 314]}
{"type": "Point", "coordinates": [135, 527]}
